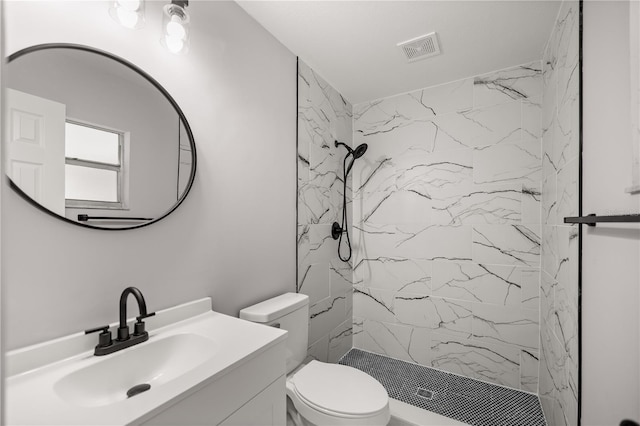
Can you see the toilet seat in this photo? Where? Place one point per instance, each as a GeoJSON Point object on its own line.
{"type": "Point", "coordinates": [338, 394]}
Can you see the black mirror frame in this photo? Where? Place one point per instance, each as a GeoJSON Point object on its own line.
{"type": "Point", "coordinates": [151, 80]}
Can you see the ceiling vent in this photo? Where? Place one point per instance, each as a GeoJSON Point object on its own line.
{"type": "Point", "coordinates": [420, 47]}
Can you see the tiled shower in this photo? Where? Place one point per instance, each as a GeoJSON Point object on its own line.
{"type": "Point", "coordinates": [461, 261]}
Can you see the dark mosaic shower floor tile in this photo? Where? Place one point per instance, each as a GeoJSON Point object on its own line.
{"type": "Point", "coordinates": [460, 398]}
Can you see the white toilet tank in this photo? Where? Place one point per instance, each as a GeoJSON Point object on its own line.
{"type": "Point", "coordinates": [290, 312]}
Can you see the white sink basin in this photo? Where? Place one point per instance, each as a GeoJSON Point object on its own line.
{"type": "Point", "coordinates": [190, 348]}
{"type": "Point", "coordinates": [155, 363]}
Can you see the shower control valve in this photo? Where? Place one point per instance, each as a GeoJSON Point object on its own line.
{"type": "Point", "coordinates": [336, 230]}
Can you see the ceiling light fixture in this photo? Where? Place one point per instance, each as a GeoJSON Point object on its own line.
{"type": "Point", "coordinates": [128, 13]}
{"type": "Point", "coordinates": [175, 22]}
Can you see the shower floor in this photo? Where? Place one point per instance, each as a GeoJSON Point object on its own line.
{"type": "Point", "coordinates": [457, 397]}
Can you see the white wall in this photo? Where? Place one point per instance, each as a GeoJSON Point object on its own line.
{"type": "Point", "coordinates": [234, 236]}
{"type": "Point", "coordinates": [611, 253]}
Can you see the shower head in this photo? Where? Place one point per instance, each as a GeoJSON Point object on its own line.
{"type": "Point", "coordinates": [357, 153]}
{"type": "Point", "coordinates": [360, 150]}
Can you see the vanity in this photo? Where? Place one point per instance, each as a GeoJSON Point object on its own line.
{"type": "Point", "coordinates": [201, 368]}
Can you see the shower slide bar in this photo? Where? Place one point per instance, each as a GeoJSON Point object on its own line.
{"type": "Point", "coordinates": [592, 219]}
{"type": "Point", "coordinates": [86, 217]}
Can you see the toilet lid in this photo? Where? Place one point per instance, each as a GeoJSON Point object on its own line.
{"type": "Point", "coordinates": [340, 389]}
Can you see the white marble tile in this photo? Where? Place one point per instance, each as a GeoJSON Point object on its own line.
{"type": "Point", "coordinates": [394, 340]}
{"type": "Point", "coordinates": [553, 363]}
{"type": "Point", "coordinates": [529, 361]}
{"type": "Point", "coordinates": [331, 106]}
{"type": "Point", "coordinates": [532, 117]}
{"type": "Point", "coordinates": [408, 106]}
{"type": "Point", "coordinates": [567, 191]}
{"type": "Point", "coordinates": [507, 244]}
{"type": "Point", "coordinates": [391, 129]}
{"type": "Point", "coordinates": [568, 51]}
{"type": "Point", "coordinates": [478, 127]}
{"type": "Point", "coordinates": [313, 127]}
{"type": "Point", "coordinates": [531, 289]}
{"type": "Point", "coordinates": [322, 247]}
{"type": "Point", "coordinates": [374, 304]}
{"type": "Point", "coordinates": [449, 97]}
{"type": "Point", "coordinates": [319, 350]}
{"type": "Point", "coordinates": [493, 363]}
{"type": "Point", "coordinates": [493, 284]}
{"type": "Point", "coordinates": [531, 204]}
{"type": "Point", "coordinates": [559, 292]}
{"type": "Point", "coordinates": [568, 397]}
{"type": "Point", "coordinates": [448, 170]}
{"type": "Point", "coordinates": [325, 316]}
{"type": "Point", "coordinates": [396, 207]}
{"type": "Point", "coordinates": [567, 133]}
{"type": "Point", "coordinates": [452, 317]}
{"type": "Point", "coordinates": [506, 325]}
{"type": "Point", "coordinates": [349, 302]}
{"type": "Point", "coordinates": [547, 299]}
{"type": "Point", "coordinates": [431, 101]}
{"type": "Point", "coordinates": [547, 404]}
{"type": "Point", "coordinates": [515, 83]}
{"type": "Point", "coordinates": [340, 340]}
{"type": "Point", "coordinates": [388, 174]}
{"type": "Point", "coordinates": [316, 201]}
{"type": "Point", "coordinates": [549, 258]}
{"type": "Point", "coordinates": [314, 282]}
{"type": "Point", "coordinates": [549, 165]}
{"type": "Point", "coordinates": [413, 241]}
{"type": "Point", "coordinates": [546, 388]}
{"type": "Point", "coordinates": [517, 162]}
{"type": "Point", "coordinates": [341, 276]}
{"type": "Point", "coordinates": [397, 274]}
{"type": "Point", "coordinates": [492, 204]}
{"type": "Point", "coordinates": [565, 321]}
{"type": "Point", "coordinates": [323, 165]}
{"type": "Point", "coordinates": [549, 90]}
{"type": "Point", "coordinates": [302, 243]}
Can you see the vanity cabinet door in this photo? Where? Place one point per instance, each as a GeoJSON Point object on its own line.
{"type": "Point", "coordinates": [254, 389]}
{"type": "Point", "coordinates": [266, 408]}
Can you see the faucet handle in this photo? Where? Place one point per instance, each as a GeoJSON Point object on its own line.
{"type": "Point", "coordinates": [138, 327]}
{"type": "Point", "coordinates": [141, 317]}
{"type": "Point", "coordinates": [103, 329]}
{"type": "Point", "coordinates": [104, 339]}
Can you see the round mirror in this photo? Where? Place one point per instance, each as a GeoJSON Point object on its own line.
{"type": "Point", "coordinates": [93, 139]}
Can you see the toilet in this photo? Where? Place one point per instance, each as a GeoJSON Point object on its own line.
{"type": "Point", "coordinates": [319, 393]}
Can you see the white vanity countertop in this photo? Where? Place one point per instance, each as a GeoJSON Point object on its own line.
{"type": "Point", "coordinates": [32, 394]}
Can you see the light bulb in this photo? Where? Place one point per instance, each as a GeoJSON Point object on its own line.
{"type": "Point", "coordinates": [127, 18]}
{"type": "Point", "coordinates": [131, 5]}
{"type": "Point", "coordinates": [175, 23]}
{"type": "Point", "coordinates": [175, 29]}
{"type": "Point", "coordinates": [174, 44]}
{"type": "Point", "coordinates": [128, 13]}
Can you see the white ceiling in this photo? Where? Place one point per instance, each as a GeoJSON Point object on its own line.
{"type": "Point", "coordinates": [352, 44]}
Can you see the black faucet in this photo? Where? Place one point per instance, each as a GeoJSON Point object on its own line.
{"type": "Point", "coordinates": [108, 346]}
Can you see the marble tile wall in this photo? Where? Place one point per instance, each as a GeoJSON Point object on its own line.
{"type": "Point", "coordinates": [447, 226]}
{"type": "Point", "coordinates": [323, 117]}
{"type": "Point", "coordinates": [560, 176]}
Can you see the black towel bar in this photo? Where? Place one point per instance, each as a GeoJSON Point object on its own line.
{"type": "Point", "coordinates": [86, 217]}
{"type": "Point", "coordinates": [592, 219]}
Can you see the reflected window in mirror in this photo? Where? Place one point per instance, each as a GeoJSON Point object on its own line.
{"type": "Point", "coordinates": [95, 167]}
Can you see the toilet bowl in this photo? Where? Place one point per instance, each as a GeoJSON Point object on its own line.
{"type": "Point", "coordinates": [332, 394]}
{"type": "Point", "coordinates": [319, 393]}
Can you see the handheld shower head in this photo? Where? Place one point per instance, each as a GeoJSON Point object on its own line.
{"type": "Point", "coordinates": [357, 153]}
{"type": "Point", "coordinates": [360, 150]}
